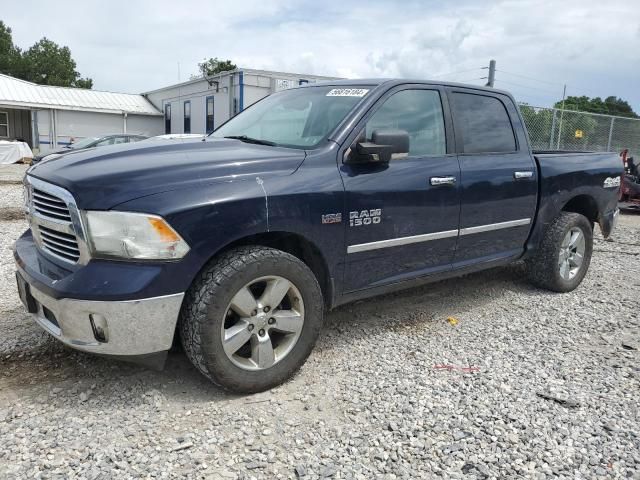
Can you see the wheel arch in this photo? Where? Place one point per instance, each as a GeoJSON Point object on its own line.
{"type": "Point", "coordinates": [585, 205]}
{"type": "Point", "coordinates": [298, 246]}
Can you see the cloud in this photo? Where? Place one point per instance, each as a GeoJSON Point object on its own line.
{"type": "Point", "coordinates": [539, 44]}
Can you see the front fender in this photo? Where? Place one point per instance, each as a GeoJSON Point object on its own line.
{"type": "Point", "coordinates": [209, 217]}
{"type": "Point", "coordinates": [212, 217]}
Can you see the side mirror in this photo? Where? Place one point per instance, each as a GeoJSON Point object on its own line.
{"type": "Point", "coordinates": [384, 144]}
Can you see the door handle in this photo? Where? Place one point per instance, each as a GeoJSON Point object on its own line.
{"type": "Point", "coordinates": [521, 175]}
{"type": "Point", "coordinates": [435, 181]}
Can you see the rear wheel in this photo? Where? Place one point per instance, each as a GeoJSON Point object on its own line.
{"type": "Point", "coordinates": [564, 254]}
{"type": "Point", "coordinates": [251, 318]}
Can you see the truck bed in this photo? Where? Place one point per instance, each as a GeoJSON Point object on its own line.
{"type": "Point", "coordinates": [567, 175]}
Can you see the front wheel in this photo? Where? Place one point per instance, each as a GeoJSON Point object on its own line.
{"type": "Point", "coordinates": [564, 255]}
{"type": "Point", "coordinates": [251, 318]}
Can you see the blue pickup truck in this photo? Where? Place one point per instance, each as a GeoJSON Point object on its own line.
{"type": "Point", "coordinates": [313, 197]}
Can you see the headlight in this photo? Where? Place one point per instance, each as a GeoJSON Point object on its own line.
{"type": "Point", "coordinates": [133, 236]}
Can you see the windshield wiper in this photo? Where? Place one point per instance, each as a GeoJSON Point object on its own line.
{"type": "Point", "coordinates": [257, 141]}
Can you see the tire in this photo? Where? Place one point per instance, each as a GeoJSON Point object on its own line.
{"type": "Point", "coordinates": [548, 267]}
{"type": "Point", "coordinates": [216, 311]}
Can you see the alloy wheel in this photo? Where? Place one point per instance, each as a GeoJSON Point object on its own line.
{"type": "Point", "coordinates": [262, 323]}
{"type": "Point", "coordinates": [571, 255]}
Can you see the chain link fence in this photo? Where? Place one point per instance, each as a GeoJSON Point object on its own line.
{"type": "Point", "coordinates": [555, 129]}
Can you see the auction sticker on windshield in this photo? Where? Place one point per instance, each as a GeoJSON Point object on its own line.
{"type": "Point", "coordinates": [348, 92]}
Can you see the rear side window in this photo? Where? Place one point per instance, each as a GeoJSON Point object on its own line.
{"type": "Point", "coordinates": [485, 124]}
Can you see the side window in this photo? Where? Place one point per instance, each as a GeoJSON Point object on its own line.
{"type": "Point", "coordinates": [167, 118]}
{"type": "Point", "coordinates": [119, 140]}
{"type": "Point", "coordinates": [4, 124]}
{"type": "Point", "coordinates": [485, 124]}
{"type": "Point", "coordinates": [187, 116]}
{"type": "Point", "coordinates": [106, 141]}
{"type": "Point", "coordinates": [209, 115]}
{"type": "Point", "coordinates": [419, 113]}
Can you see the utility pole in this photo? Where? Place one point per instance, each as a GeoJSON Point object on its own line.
{"type": "Point", "coordinates": [564, 95]}
{"type": "Point", "coordinates": [492, 74]}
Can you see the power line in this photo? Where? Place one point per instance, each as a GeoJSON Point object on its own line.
{"type": "Point", "coordinates": [471, 79]}
{"type": "Point", "coordinates": [573, 86]}
{"type": "Point", "coordinates": [526, 86]}
{"type": "Point", "coordinates": [528, 78]}
{"type": "Point", "coordinates": [537, 97]}
{"type": "Point", "coordinates": [455, 73]}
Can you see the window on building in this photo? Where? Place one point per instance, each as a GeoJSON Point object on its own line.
{"type": "Point", "coordinates": [419, 113]}
{"type": "Point", "coordinates": [4, 124]}
{"type": "Point", "coordinates": [303, 81]}
{"type": "Point", "coordinates": [209, 119]}
{"type": "Point", "coordinates": [167, 118]}
{"type": "Point", "coordinates": [187, 116]}
{"type": "Point", "coordinates": [485, 124]}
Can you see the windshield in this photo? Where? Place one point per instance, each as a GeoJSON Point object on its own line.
{"type": "Point", "coordinates": [298, 118]}
{"type": "Point", "coordinates": [84, 143]}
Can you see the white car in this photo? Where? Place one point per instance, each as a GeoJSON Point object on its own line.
{"type": "Point", "coordinates": [177, 136]}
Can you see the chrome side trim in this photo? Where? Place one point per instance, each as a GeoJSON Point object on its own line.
{"type": "Point", "coordinates": [395, 242]}
{"type": "Point", "coordinates": [495, 226]}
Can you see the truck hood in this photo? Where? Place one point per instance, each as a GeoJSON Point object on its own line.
{"type": "Point", "coordinates": [101, 178]}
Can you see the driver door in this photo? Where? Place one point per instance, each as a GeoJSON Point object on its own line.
{"type": "Point", "coordinates": [403, 215]}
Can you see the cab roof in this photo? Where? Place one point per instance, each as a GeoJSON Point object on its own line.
{"type": "Point", "coordinates": [392, 82]}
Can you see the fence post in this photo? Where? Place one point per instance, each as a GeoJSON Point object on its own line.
{"type": "Point", "coordinates": [553, 129]}
{"type": "Point", "coordinates": [560, 128]}
{"type": "Point", "coordinates": [610, 134]}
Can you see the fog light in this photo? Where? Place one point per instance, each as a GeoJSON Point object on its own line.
{"type": "Point", "coordinates": [99, 327]}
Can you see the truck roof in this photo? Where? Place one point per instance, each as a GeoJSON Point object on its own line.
{"type": "Point", "coordinates": [392, 82]}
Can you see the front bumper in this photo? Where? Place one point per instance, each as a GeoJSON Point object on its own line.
{"type": "Point", "coordinates": [120, 328]}
{"type": "Point", "coordinates": [119, 309]}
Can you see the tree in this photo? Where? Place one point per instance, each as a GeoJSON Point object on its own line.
{"type": "Point", "coordinates": [609, 106]}
{"type": "Point", "coordinates": [538, 122]}
{"type": "Point", "coordinates": [45, 63]}
{"type": "Point", "coordinates": [214, 66]}
{"type": "Point", "coordinates": [10, 55]}
{"type": "Point", "coordinates": [84, 83]}
{"type": "Point", "coordinates": [620, 107]}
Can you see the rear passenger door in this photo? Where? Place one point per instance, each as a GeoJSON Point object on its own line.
{"type": "Point", "coordinates": [498, 177]}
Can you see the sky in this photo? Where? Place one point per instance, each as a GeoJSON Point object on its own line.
{"type": "Point", "coordinates": [136, 46]}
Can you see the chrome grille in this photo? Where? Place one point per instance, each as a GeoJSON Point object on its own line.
{"type": "Point", "coordinates": [61, 244]}
{"type": "Point", "coordinates": [55, 221]}
{"type": "Point", "coordinates": [50, 206]}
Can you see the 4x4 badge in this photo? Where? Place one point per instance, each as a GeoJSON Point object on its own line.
{"type": "Point", "coordinates": [331, 218]}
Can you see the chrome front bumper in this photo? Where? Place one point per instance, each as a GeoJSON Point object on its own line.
{"type": "Point", "coordinates": [118, 328]}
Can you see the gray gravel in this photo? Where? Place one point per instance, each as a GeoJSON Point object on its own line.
{"type": "Point", "coordinates": [527, 384]}
{"type": "Point", "coordinates": [11, 202]}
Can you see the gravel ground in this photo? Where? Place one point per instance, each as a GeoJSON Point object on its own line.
{"type": "Point", "coordinates": [526, 384]}
{"type": "Point", "coordinates": [11, 202]}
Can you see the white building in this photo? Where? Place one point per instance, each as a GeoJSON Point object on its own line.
{"type": "Point", "coordinates": [48, 117]}
{"type": "Point", "coordinates": [202, 105]}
